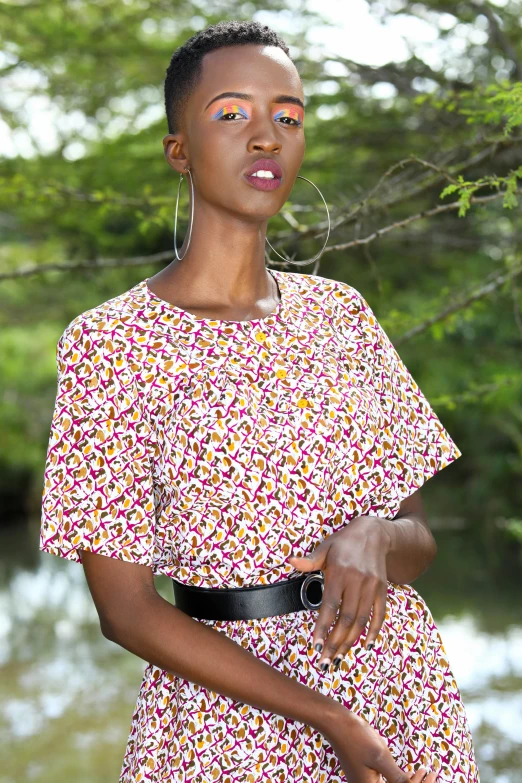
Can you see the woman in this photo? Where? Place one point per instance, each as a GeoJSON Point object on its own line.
{"type": "Point", "coordinates": [237, 428]}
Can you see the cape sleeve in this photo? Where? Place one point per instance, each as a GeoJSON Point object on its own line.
{"type": "Point", "coordinates": [98, 488]}
{"type": "Point", "coordinates": [421, 446]}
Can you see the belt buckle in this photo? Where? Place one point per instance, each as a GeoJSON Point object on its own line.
{"type": "Point", "coordinates": [306, 581]}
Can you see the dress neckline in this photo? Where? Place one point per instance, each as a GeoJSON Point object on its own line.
{"type": "Point", "coordinates": [275, 315]}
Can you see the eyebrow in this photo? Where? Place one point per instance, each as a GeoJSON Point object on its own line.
{"type": "Point", "coordinates": [246, 97]}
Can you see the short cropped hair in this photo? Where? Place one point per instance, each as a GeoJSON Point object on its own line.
{"type": "Point", "coordinates": [185, 66]}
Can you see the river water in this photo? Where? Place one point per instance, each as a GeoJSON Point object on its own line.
{"type": "Point", "coordinates": [68, 693]}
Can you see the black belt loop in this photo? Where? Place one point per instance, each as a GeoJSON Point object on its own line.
{"type": "Point", "coordinates": [250, 603]}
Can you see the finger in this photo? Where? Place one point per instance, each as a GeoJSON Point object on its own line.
{"type": "Point", "coordinates": [391, 771]}
{"type": "Point", "coordinates": [419, 776]}
{"type": "Point", "coordinates": [430, 778]}
{"type": "Point", "coordinates": [314, 561]}
{"type": "Point", "coordinates": [363, 616]}
{"type": "Point", "coordinates": [332, 594]}
{"type": "Point", "coordinates": [347, 616]}
{"type": "Point", "coordinates": [378, 615]}
{"type": "Point", "coordinates": [350, 632]}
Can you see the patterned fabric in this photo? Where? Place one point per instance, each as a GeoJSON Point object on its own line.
{"type": "Point", "coordinates": [211, 450]}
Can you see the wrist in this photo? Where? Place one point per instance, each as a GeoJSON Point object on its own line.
{"type": "Point", "coordinates": [382, 528]}
{"type": "Point", "coordinates": [337, 720]}
{"type": "Point", "coordinates": [328, 716]}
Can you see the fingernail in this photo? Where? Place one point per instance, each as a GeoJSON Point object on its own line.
{"type": "Point", "coordinates": [318, 646]}
{"type": "Point", "coordinates": [324, 665]}
{"type": "Point", "coordinates": [370, 645]}
{"type": "Point", "coordinates": [337, 661]}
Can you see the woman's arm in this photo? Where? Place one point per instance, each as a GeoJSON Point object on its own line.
{"type": "Point", "coordinates": [134, 615]}
{"type": "Point", "coordinates": [411, 548]}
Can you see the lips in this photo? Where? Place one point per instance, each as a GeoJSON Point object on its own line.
{"type": "Point", "coordinates": [268, 164]}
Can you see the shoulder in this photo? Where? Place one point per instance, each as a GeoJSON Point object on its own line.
{"type": "Point", "coordinates": [352, 304]}
{"type": "Point", "coordinates": [341, 300]}
{"type": "Point", "coordinates": [112, 322]}
{"type": "Point", "coordinates": [311, 285]}
{"type": "Point", "coordinates": [100, 347]}
{"type": "Point", "coordinates": [324, 287]}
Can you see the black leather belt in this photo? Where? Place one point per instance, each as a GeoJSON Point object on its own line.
{"type": "Point", "coordinates": [249, 603]}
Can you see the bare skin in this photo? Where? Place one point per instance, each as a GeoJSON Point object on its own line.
{"type": "Point", "coordinates": [357, 563]}
{"type": "Point", "coordinates": [223, 275]}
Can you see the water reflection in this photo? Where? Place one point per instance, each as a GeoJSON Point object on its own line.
{"type": "Point", "coordinates": [69, 693]}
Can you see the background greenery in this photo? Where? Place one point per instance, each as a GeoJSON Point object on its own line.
{"type": "Point", "coordinates": [421, 166]}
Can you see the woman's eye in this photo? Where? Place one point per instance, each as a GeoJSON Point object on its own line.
{"type": "Point", "coordinates": [230, 111]}
{"type": "Point", "coordinates": [292, 121]}
{"type": "Point", "coordinates": [231, 114]}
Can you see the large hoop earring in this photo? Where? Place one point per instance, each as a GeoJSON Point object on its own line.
{"type": "Point", "coordinates": [191, 214]}
{"type": "Point", "coordinates": [319, 254]}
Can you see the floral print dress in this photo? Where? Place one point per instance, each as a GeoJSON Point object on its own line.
{"type": "Point", "coordinates": [211, 450]}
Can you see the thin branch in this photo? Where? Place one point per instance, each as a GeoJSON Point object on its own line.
{"type": "Point", "coordinates": [166, 255]}
{"type": "Point", "coordinates": [104, 263]}
{"type": "Point", "coordinates": [396, 74]}
{"type": "Point", "coordinates": [474, 394]}
{"type": "Point", "coordinates": [498, 36]}
{"type": "Point", "coordinates": [426, 182]}
{"type": "Point", "coordinates": [462, 303]}
{"type": "Point", "coordinates": [411, 218]}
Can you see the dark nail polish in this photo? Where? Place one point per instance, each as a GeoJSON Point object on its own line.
{"type": "Point", "coordinates": [323, 666]}
{"type": "Point", "coordinates": [370, 646]}
{"type": "Point", "coordinates": [336, 667]}
{"type": "Point", "coordinates": [318, 647]}
{"type": "Point", "coordinates": [337, 661]}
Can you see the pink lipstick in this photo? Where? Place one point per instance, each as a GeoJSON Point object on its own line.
{"type": "Point", "coordinates": [264, 174]}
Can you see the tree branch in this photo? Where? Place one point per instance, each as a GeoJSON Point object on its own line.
{"type": "Point", "coordinates": [498, 36]}
{"type": "Point", "coordinates": [460, 304]}
{"type": "Point", "coordinates": [411, 218]}
{"type": "Point", "coordinates": [166, 255]}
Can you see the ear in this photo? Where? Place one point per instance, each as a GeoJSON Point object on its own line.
{"type": "Point", "coordinates": [173, 148]}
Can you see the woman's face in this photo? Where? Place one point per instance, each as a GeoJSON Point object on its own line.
{"type": "Point", "coordinates": [223, 134]}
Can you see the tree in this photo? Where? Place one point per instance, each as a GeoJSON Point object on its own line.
{"type": "Point", "coordinates": [422, 186]}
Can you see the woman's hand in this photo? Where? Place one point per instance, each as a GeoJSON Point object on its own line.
{"type": "Point", "coordinates": [364, 755]}
{"type": "Point", "coordinates": [353, 561]}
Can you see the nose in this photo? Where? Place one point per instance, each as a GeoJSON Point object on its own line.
{"type": "Point", "coordinates": [264, 145]}
{"type": "Point", "coordinates": [263, 137]}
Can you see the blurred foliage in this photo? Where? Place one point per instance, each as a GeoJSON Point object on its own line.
{"type": "Point", "coordinates": [420, 162]}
